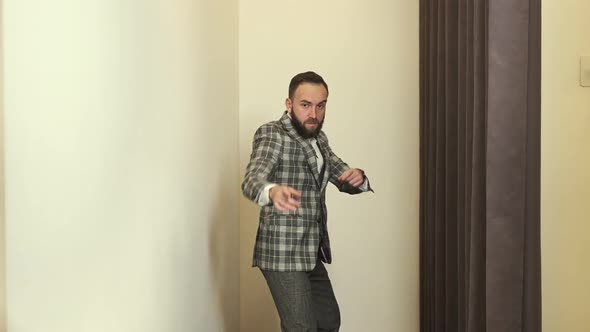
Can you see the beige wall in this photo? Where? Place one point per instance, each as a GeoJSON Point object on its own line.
{"type": "Point", "coordinates": [2, 229]}
{"type": "Point", "coordinates": [368, 54]}
{"type": "Point", "coordinates": [565, 168]}
{"type": "Point", "coordinates": [121, 165]}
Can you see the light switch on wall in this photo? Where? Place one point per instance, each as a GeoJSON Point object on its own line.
{"type": "Point", "coordinates": [585, 71]}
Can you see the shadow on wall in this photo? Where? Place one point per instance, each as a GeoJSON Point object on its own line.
{"type": "Point", "coordinates": [258, 311]}
{"type": "Point", "coordinates": [223, 258]}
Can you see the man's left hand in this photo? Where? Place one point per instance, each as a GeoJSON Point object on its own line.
{"type": "Point", "coordinates": [354, 176]}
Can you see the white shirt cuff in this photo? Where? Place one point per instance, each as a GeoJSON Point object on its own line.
{"type": "Point", "coordinates": [264, 198]}
{"type": "Point", "coordinates": [365, 185]}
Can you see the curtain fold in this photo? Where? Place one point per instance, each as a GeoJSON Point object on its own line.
{"type": "Point", "coordinates": [480, 162]}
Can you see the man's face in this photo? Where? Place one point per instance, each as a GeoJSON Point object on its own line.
{"type": "Point", "coordinates": [308, 108]}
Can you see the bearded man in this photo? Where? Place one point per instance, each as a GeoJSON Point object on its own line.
{"type": "Point", "coordinates": [290, 166]}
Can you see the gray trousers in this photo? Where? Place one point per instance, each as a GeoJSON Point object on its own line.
{"type": "Point", "coordinates": [305, 300]}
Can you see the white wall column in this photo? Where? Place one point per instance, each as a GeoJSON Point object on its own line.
{"type": "Point", "coordinates": [565, 161]}
{"type": "Point", "coordinates": [122, 160]}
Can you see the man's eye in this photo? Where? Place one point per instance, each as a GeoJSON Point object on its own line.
{"type": "Point", "coordinates": [322, 106]}
{"type": "Point", "coordinates": [305, 105]}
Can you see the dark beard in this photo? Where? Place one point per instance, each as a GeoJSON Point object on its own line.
{"type": "Point", "coordinates": [304, 132]}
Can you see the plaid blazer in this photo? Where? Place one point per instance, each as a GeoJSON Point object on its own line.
{"type": "Point", "coordinates": [291, 241]}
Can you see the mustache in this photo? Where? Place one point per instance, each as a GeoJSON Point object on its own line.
{"type": "Point", "coordinates": [312, 121]}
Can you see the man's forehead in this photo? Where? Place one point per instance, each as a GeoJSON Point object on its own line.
{"type": "Point", "coordinates": [311, 92]}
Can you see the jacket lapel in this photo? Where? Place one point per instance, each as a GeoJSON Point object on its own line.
{"type": "Point", "coordinates": [305, 146]}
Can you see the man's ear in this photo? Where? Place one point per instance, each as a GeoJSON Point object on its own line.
{"type": "Point", "coordinates": [289, 104]}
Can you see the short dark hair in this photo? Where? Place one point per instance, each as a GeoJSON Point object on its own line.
{"type": "Point", "coordinates": [307, 77]}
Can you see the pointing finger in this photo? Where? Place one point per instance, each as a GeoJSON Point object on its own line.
{"type": "Point", "coordinates": [294, 192]}
{"type": "Point", "coordinates": [293, 203]}
{"type": "Point", "coordinates": [279, 206]}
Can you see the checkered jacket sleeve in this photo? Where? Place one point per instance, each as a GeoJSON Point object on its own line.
{"type": "Point", "coordinates": [266, 149]}
{"type": "Point", "coordinates": [337, 167]}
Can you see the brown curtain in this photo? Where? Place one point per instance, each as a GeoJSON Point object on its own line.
{"type": "Point", "coordinates": [480, 165]}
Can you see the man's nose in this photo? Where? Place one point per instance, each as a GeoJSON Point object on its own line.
{"type": "Point", "coordinates": [312, 113]}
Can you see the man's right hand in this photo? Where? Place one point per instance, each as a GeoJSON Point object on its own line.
{"type": "Point", "coordinates": [284, 198]}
